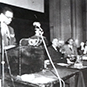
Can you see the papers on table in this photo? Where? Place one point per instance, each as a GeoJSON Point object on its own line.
{"type": "Point", "coordinates": [27, 77]}
{"type": "Point", "coordinates": [42, 80]}
{"type": "Point", "coordinates": [9, 47]}
{"type": "Point", "coordinates": [36, 79]}
{"type": "Point", "coordinates": [62, 64]}
{"type": "Point", "coordinates": [84, 58]}
{"type": "Point", "coordinates": [76, 65]}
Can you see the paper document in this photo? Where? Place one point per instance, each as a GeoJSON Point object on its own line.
{"type": "Point", "coordinates": [9, 47]}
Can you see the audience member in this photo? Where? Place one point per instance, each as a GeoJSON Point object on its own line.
{"type": "Point", "coordinates": [69, 50]}
{"type": "Point", "coordinates": [55, 53]}
{"type": "Point", "coordinates": [85, 48]}
{"type": "Point", "coordinates": [84, 54]}
{"type": "Point", "coordinates": [81, 48]}
{"type": "Point", "coordinates": [60, 43]}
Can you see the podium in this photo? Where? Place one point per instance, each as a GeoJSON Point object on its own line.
{"type": "Point", "coordinates": [26, 59]}
{"type": "Point", "coordinates": [31, 59]}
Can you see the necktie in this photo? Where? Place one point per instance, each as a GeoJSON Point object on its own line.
{"type": "Point", "coordinates": [70, 48]}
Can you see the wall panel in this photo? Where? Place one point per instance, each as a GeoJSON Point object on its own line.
{"type": "Point", "coordinates": [66, 19]}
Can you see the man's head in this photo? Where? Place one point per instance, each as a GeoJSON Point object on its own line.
{"type": "Point", "coordinates": [82, 44]}
{"type": "Point", "coordinates": [7, 14]}
{"type": "Point", "coordinates": [70, 41]}
{"type": "Point", "coordinates": [60, 43]}
{"type": "Point", "coordinates": [55, 42]}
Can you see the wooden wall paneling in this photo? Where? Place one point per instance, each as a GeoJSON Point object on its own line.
{"type": "Point", "coordinates": [51, 18]}
{"type": "Point", "coordinates": [86, 20]}
{"type": "Point", "coordinates": [73, 18]}
{"type": "Point", "coordinates": [79, 32]}
{"type": "Point", "coordinates": [65, 19]}
{"type": "Point", "coordinates": [60, 24]}
{"type": "Point", "coordinates": [77, 20]}
{"type": "Point", "coordinates": [55, 19]}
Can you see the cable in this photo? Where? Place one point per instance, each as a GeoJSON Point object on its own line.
{"type": "Point", "coordinates": [9, 68]}
{"type": "Point", "coordinates": [59, 78]}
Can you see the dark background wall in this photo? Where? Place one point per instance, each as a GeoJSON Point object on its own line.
{"type": "Point", "coordinates": [23, 21]}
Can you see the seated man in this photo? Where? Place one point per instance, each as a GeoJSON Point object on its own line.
{"type": "Point", "coordinates": [54, 52]}
{"type": "Point", "coordinates": [81, 48]}
{"type": "Point", "coordinates": [84, 55]}
{"type": "Point", "coordinates": [69, 50]}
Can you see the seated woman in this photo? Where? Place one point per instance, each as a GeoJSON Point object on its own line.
{"type": "Point", "coordinates": [69, 50]}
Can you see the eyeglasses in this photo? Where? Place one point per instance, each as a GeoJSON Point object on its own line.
{"type": "Point", "coordinates": [8, 17]}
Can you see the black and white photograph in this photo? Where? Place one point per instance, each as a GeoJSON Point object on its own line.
{"type": "Point", "coordinates": [43, 43]}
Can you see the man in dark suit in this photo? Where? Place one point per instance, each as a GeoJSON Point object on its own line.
{"type": "Point", "coordinates": [56, 55]}
{"type": "Point", "coordinates": [7, 32]}
{"type": "Point", "coordinates": [7, 35]}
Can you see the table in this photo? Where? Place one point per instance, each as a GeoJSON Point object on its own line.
{"type": "Point", "coordinates": [49, 78]}
{"type": "Point", "coordinates": [82, 76]}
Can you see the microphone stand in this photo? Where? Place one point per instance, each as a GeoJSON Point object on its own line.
{"type": "Point", "coordinates": [57, 74]}
{"type": "Point", "coordinates": [2, 59]}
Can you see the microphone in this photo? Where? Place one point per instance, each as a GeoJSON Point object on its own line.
{"type": "Point", "coordinates": [38, 25]}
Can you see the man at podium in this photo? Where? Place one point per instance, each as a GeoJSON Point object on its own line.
{"type": "Point", "coordinates": [7, 35]}
{"type": "Point", "coordinates": [7, 32]}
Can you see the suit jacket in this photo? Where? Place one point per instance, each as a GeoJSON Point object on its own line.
{"type": "Point", "coordinates": [56, 55]}
{"type": "Point", "coordinates": [8, 41]}
{"type": "Point", "coordinates": [11, 40]}
{"type": "Point", "coordinates": [69, 51]}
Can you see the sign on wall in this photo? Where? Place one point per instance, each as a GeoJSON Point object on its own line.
{"type": "Point", "coordinates": [36, 5]}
